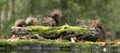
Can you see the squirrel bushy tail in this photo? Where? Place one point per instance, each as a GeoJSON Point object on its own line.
{"type": "Point", "coordinates": [56, 15]}
{"type": "Point", "coordinates": [103, 32]}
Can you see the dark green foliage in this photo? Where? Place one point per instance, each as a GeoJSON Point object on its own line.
{"type": "Point", "coordinates": [4, 43]}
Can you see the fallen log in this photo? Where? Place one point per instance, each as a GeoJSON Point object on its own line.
{"type": "Point", "coordinates": [66, 31]}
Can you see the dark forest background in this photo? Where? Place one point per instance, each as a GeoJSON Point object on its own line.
{"type": "Point", "coordinates": [108, 11]}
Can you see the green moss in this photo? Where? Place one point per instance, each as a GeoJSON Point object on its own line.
{"type": "Point", "coordinates": [4, 43]}
{"type": "Point", "coordinates": [66, 44]}
{"type": "Point", "coordinates": [46, 30]}
{"type": "Point", "coordinates": [46, 42]}
{"type": "Point", "coordinates": [22, 42]}
{"type": "Point", "coordinates": [115, 45]}
{"type": "Point", "coordinates": [87, 45]}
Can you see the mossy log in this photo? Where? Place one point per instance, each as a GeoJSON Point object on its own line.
{"type": "Point", "coordinates": [54, 32]}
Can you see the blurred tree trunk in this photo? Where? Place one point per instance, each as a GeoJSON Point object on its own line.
{"type": "Point", "coordinates": [3, 16]}
{"type": "Point", "coordinates": [10, 9]}
{"type": "Point", "coordinates": [3, 13]}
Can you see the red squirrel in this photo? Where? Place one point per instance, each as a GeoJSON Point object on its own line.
{"type": "Point", "coordinates": [20, 23]}
{"type": "Point", "coordinates": [30, 21]}
{"type": "Point", "coordinates": [54, 18]}
{"type": "Point", "coordinates": [98, 25]}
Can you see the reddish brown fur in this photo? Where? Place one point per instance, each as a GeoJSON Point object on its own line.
{"type": "Point", "coordinates": [50, 21]}
{"type": "Point", "coordinates": [54, 18]}
{"type": "Point", "coordinates": [32, 21]}
{"type": "Point", "coordinates": [97, 24]}
{"type": "Point", "coordinates": [28, 22]}
{"type": "Point", "coordinates": [20, 23]}
{"type": "Point", "coordinates": [56, 15]}
{"type": "Point", "coordinates": [94, 23]}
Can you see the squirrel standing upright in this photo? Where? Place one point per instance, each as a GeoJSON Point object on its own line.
{"type": "Point", "coordinates": [54, 18]}
{"type": "Point", "coordinates": [98, 25]}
